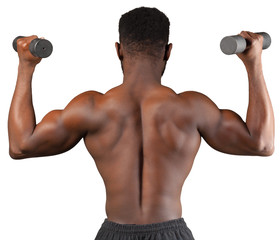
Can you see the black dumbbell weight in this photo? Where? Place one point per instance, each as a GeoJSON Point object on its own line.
{"type": "Point", "coordinates": [237, 44]}
{"type": "Point", "coordinates": [38, 47]}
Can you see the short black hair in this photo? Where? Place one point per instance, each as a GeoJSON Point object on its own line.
{"type": "Point", "coordinates": [144, 30]}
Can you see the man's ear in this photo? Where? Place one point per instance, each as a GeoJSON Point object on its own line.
{"type": "Point", "coordinates": [168, 49]}
{"type": "Point", "coordinates": [119, 51]}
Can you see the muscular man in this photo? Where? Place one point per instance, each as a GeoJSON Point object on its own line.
{"type": "Point", "coordinates": [142, 135]}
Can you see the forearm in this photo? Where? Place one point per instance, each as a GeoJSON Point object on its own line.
{"type": "Point", "coordinates": [260, 117]}
{"type": "Point", "coordinates": [21, 121]}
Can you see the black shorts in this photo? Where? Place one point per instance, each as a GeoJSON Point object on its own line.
{"type": "Point", "coordinates": [170, 230]}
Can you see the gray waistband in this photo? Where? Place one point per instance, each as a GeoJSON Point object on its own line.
{"type": "Point", "coordinates": [133, 228]}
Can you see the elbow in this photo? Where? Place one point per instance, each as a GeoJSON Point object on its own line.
{"type": "Point", "coordinates": [265, 148]}
{"type": "Point", "coordinates": [17, 152]}
{"type": "Point", "coordinates": [266, 151]}
{"type": "Point", "coordinates": [16, 155]}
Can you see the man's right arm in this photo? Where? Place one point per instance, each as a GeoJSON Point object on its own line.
{"type": "Point", "coordinates": [224, 130]}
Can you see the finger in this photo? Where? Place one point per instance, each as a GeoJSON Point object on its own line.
{"type": "Point", "coordinates": [253, 35]}
{"type": "Point", "coordinates": [247, 37]}
{"type": "Point", "coordinates": [34, 36]}
{"type": "Point", "coordinates": [26, 39]}
{"type": "Point", "coordinates": [30, 37]}
{"type": "Point", "coordinates": [245, 34]}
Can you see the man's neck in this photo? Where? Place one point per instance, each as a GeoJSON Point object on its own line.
{"type": "Point", "coordinates": [142, 74]}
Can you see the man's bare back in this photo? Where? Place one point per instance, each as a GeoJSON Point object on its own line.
{"type": "Point", "coordinates": [144, 150]}
{"type": "Point", "coordinates": [142, 135]}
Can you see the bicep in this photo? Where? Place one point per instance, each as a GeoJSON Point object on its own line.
{"type": "Point", "coordinates": [53, 135]}
{"type": "Point", "coordinates": [223, 130]}
{"type": "Point", "coordinates": [228, 133]}
{"type": "Point", "coordinates": [60, 130]}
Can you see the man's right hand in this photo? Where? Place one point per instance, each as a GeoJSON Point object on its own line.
{"type": "Point", "coordinates": [252, 54]}
{"type": "Point", "coordinates": [25, 56]}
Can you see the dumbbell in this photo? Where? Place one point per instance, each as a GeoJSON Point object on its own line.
{"type": "Point", "coordinates": [237, 44]}
{"type": "Point", "coordinates": [38, 47]}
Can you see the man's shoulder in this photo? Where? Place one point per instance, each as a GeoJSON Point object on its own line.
{"type": "Point", "coordinates": [84, 102]}
{"type": "Point", "coordinates": [89, 94]}
{"type": "Point", "coordinates": [82, 110]}
{"type": "Point", "coordinates": [193, 96]}
{"type": "Point", "coordinates": [87, 97]}
{"type": "Point", "coordinates": [197, 102]}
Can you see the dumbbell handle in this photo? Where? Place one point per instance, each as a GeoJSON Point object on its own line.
{"type": "Point", "coordinates": [237, 44]}
{"type": "Point", "coordinates": [38, 47]}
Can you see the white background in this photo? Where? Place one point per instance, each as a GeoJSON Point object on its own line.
{"type": "Point", "coordinates": [225, 197]}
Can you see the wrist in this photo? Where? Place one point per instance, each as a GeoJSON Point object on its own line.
{"type": "Point", "coordinates": [26, 67]}
{"type": "Point", "coordinates": [254, 66]}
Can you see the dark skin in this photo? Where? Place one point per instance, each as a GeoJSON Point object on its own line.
{"type": "Point", "coordinates": [142, 135]}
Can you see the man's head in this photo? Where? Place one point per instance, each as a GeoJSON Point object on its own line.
{"type": "Point", "coordinates": [144, 32]}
